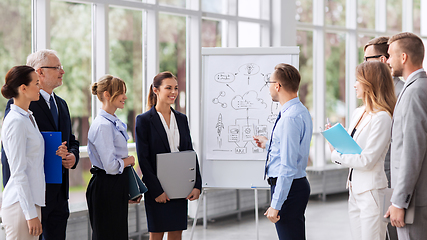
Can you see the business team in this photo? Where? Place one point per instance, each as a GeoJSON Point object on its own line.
{"type": "Point", "coordinates": [162, 129]}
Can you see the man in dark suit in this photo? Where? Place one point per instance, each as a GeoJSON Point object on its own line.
{"type": "Point", "coordinates": [52, 114]}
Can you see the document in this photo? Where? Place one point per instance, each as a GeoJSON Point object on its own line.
{"type": "Point", "coordinates": [52, 162]}
{"type": "Point", "coordinates": [136, 186]}
{"type": "Point", "coordinates": [341, 140]}
{"type": "Point", "coordinates": [177, 173]}
{"type": "Point", "coordinates": [409, 213]}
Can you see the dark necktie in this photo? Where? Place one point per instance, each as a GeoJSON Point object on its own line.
{"type": "Point", "coordinates": [269, 146]}
{"type": "Point", "coordinates": [53, 110]}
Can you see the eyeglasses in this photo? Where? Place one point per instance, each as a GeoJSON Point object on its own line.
{"type": "Point", "coordinates": [376, 56]}
{"type": "Point", "coordinates": [273, 82]}
{"type": "Point", "coordinates": [59, 68]}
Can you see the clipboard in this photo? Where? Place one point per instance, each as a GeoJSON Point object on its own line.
{"type": "Point", "coordinates": [341, 140]}
{"type": "Point", "coordinates": [177, 173]}
{"type": "Point", "coordinates": [409, 213]}
{"type": "Point", "coordinates": [52, 162]}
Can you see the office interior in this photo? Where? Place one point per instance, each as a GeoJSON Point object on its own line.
{"type": "Point", "coordinates": [136, 39]}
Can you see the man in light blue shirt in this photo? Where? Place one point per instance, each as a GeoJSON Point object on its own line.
{"type": "Point", "coordinates": [287, 155]}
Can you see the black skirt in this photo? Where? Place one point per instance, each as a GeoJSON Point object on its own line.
{"type": "Point", "coordinates": [107, 200]}
{"type": "Point", "coordinates": [165, 217]}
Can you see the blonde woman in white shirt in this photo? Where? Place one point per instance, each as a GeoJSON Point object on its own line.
{"type": "Point", "coordinates": [370, 127]}
{"type": "Point", "coordinates": [24, 195]}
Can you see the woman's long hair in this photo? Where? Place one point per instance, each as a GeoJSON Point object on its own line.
{"type": "Point", "coordinates": [377, 82]}
{"type": "Point", "coordinates": [157, 82]}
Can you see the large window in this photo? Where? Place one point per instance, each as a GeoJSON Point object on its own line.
{"type": "Point", "coordinates": [304, 11]}
{"type": "Point", "coordinates": [249, 34]}
{"type": "Point", "coordinates": [172, 49]}
{"type": "Point", "coordinates": [335, 12]}
{"type": "Point", "coordinates": [394, 15]}
{"type": "Point", "coordinates": [75, 52]}
{"type": "Point", "coordinates": [335, 77]}
{"type": "Point", "coordinates": [211, 33]}
{"type": "Point", "coordinates": [125, 39]}
{"type": "Point", "coordinates": [15, 39]}
{"type": "Point", "coordinates": [217, 6]}
{"type": "Point", "coordinates": [417, 16]}
{"type": "Point", "coordinates": [365, 14]}
{"type": "Point", "coordinates": [305, 42]}
{"type": "Point", "coordinates": [249, 8]}
{"type": "Point", "coordinates": [175, 3]}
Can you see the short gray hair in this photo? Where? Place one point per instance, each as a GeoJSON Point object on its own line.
{"type": "Point", "coordinates": [39, 58]}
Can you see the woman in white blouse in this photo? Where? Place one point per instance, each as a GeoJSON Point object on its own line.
{"type": "Point", "coordinates": [24, 194]}
{"type": "Point", "coordinates": [107, 192]}
{"type": "Point", "coordinates": [370, 127]}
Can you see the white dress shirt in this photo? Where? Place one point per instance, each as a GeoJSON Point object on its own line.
{"type": "Point", "coordinates": [24, 148]}
{"type": "Point", "coordinates": [172, 132]}
{"type": "Point", "coordinates": [46, 96]}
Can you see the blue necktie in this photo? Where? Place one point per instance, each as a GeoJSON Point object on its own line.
{"type": "Point", "coordinates": [53, 110]}
{"type": "Point", "coordinates": [269, 146]}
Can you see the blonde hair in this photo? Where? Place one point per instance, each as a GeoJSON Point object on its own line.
{"type": "Point", "coordinates": [378, 86]}
{"type": "Point", "coordinates": [108, 83]}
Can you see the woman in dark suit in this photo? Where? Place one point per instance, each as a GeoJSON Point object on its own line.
{"type": "Point", "coordinates": [163, 130]}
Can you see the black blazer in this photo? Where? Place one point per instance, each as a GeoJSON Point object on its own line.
{"type": "Point", "coordinates": [44, 119]}
{"type": "Point", "coordinates": [151, 139]}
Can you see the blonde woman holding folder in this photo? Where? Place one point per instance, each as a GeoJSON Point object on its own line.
{"type": "Point", "coordinates": [108, 189]}
{"type": "Point", "coordinates": [370, 127]}
{"type": "Point", "coordinates": [163, 130]}
{"type": "Point", "coordinates": [24, 195]}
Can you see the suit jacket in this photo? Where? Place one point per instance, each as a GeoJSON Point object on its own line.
{"type": "Point", "coordinates": [398, 86]}
{"type": "Point", "coordinates": [151, 139]}
{"type": "Point", "coordinates": [409, 141]}
{"type": "Point", "coordinates": [44, 119]}
{"type": "Point", "coordinates": [373, 136]}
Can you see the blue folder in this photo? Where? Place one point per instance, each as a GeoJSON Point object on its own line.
{"type": "Point", "coordinates": [341, 140]}
{"type": "Point", "coordinates": [52, 162]}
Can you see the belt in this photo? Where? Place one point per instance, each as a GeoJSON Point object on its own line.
{"type": "Point", "coordinates": [97, 170]}
{"type": "Point", "coordinates": [272, 181]}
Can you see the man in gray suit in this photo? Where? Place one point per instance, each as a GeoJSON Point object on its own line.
{"type": "Point", "coordinates": [409, 136]}
{"type": "Point", "coordinates": [377, 50]}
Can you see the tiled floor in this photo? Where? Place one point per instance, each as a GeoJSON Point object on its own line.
{"type": "Point", "coordinates": [324, 221]}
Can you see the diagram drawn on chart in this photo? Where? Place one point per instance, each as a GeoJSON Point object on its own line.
{"type": "Point", "coordinates": [239, 107]}
{"type": "Point", "coordinates": [249, 69]}
{"type": "Point", "coordinates": [241, 132]}
{"type": "Point", "coordinates": [217, 100]}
